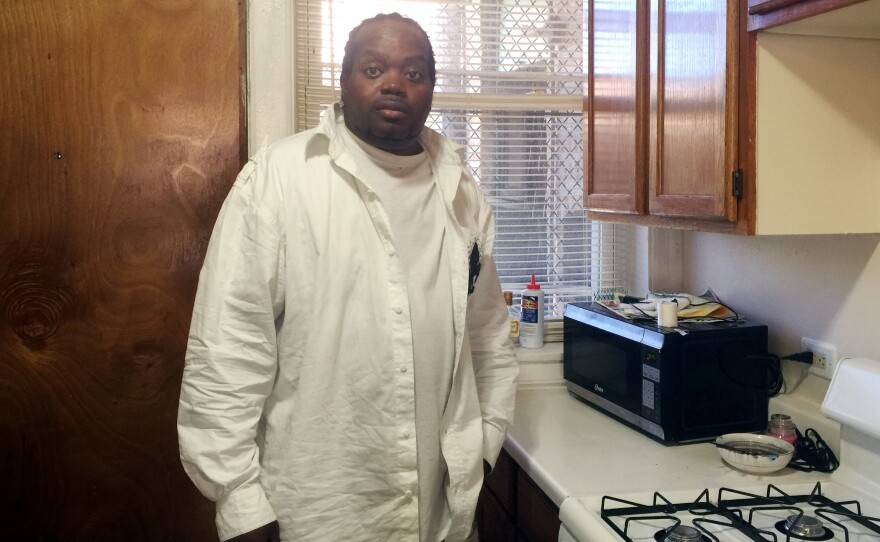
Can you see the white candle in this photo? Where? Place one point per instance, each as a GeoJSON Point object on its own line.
{"type": "Point", "coordinates": [667, 313]}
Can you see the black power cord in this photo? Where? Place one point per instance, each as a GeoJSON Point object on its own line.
{"type": "Point", "coordinates": [802, 357]}
{"type": "Point", "coordinates": [813, 454]}
{"type": "Point", "coordinates": [775, 381]}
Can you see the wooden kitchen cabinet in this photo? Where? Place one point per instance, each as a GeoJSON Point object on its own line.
{"type": "Point", "coordinates": [536, 516]}
{"type": "Point", "coordinates": [769, 13]}
{"type": "Point", "coordinates": [496, 509]}
{"type": "Point", "coordinates": [493, 520]}
{"type": "Point", "coordinates": [661, 108]}
{"type": "Point", "coordinates": [693, 122]}
{"type": "Point", "coordinates": [512, 508]}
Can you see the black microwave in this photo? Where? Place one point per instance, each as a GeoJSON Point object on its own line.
{"type": "Point", "coordinates": [688, 384]}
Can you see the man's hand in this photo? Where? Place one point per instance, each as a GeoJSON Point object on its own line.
{"type": "Point", "coordinates": [266, 533]}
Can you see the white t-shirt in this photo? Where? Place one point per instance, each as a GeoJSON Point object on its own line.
{"type": "Point", "coordinates": [405, 186]}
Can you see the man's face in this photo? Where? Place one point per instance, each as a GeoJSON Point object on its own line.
{"type": "Point", "coordinates": [388, 93]}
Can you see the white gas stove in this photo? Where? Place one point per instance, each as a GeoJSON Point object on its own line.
{"type": "Point", "coordinates": [844, 506]}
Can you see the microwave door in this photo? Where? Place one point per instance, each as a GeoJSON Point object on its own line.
{"type": "Point", "coordinates": [607, 366]}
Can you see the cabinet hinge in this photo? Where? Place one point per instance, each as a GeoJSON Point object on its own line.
{"type": "Point", "coordinates": [737, 183]}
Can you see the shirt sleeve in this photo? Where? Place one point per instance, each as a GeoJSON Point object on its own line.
{"type": "Point", "coordinates": [495, 366]}
{"type": "Point", "coordinates": [231, 359]}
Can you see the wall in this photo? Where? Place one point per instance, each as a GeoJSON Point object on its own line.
{"type": "Point", "coordinates": [270, 72]}
{"type": "Point", "coordinates": [824, 286]}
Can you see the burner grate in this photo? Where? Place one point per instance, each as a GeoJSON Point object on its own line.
{"type": "Point", "coordinates": [833, 515]}
{"type": "Point", "coordinates": [777, 499]}
{"type": "Point", "coordinates": [812, 517]}
{"type": "Point", "coordinates": [664, 510]}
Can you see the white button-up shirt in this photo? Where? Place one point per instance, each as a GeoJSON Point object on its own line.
{"type": "Point", "coordinates": [298, 380]}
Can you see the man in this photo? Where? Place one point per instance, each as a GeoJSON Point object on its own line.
{"type": "Point", "coordinates": [349, 370]}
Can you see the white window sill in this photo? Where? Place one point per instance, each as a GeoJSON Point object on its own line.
{"type": "Point", "coordinates": [549, 353]}
{"type": "Point", "coordinates": [540, 367]}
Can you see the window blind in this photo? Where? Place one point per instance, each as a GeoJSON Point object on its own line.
{"type": "Point", "coordinates": [509, 90]}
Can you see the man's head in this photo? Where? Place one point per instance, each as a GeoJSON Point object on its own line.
{"type": "Point", "coordinates": [388, 82]}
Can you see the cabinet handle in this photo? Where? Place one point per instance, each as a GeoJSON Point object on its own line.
{"type": "Point", "coordinates": [737, 188]}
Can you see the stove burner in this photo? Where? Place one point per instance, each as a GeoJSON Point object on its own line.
{"type": "Point", "coordinates": [804, 528]}
{"type": "Point", "coordinates": [679, 533]}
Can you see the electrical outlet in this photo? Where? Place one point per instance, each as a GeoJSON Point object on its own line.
{"type": "Point", "coordinates": [824, 357]}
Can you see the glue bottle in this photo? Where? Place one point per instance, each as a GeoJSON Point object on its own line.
{"type": "Point", "coordinates": [531, 329]}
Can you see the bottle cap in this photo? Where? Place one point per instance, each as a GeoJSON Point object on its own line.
{"type": "Point", "coordinates": [533, 285]}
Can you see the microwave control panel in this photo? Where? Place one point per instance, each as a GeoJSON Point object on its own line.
{"type": "Point", "coordinates": [650, 384]}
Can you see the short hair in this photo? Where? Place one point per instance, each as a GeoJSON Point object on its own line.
{"type": "Point", "coordinates": [348, 57]}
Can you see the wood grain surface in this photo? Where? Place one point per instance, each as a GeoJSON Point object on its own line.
{"type": "Point", "coordinates": [615, 114]}
{"type": "Point", "coordinates": [693, 108]}
{"type": "Point", "coordinates": [737, 216]}
{"type": "Point", "coordinates": [123, 129]}
{"type": "Point", "coordinates": [770, 13]}
{"type": "Point", "coordinates": [661, 111]}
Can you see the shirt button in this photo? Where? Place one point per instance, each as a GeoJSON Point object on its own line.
{"type": "Point", "coordinates": [403, 368]}
{"type": "Point", "coordinates": [406, 434]}
{"type": "Point", "coordinates": [398, 310]}
{"type": "Point", "coordinates": [408, 494]}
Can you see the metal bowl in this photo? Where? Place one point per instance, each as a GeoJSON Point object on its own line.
{"type": "Point", "coordinates": [757, 454]}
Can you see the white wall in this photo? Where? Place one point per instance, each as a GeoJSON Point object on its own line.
{"type": "Point", "coordinates": [638, 275]}
{"type": "Point", "coordinates": [270, 72]}
{"type": "Point", "coordinates": [826, 287]}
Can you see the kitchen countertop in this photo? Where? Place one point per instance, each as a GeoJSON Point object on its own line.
{"type": "Point", "coordinates": [570, 450]}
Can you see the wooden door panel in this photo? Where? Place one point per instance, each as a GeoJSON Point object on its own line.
{"type": "Point", "coordinates": [614, 135]}
{"type": "Point", "coordinates": [124, 129]}
{"type": "Point", "coordinates": [693, 100]}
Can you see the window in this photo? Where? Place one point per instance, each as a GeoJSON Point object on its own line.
{"type": "Point", "coordinates": [509, 90]}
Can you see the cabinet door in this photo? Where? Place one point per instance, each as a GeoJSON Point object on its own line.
{"type": "Point", "coordinates": [496, 508]}
{"type": "Point", "coordinates": [536, 515]}
{"type": "Point", "coordinates": [493, 523]}
{"type": "Point", "coordinates": [693, 108]}
{"type": "Point", "coordinates": [502, 481]}
{"type": "Point", "coordinates": [615, 111]}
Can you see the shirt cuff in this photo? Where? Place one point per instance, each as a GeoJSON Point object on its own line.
{"type": "Point", "coordinates": [493, 439]}
{"type": "Point", "coordinates": [243, 510]}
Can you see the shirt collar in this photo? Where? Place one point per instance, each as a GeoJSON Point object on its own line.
{"type": "Point", "coordinates": [446, 157]}
{"type": "Point", "coordinates": [434, 144]}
